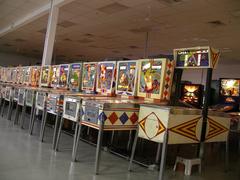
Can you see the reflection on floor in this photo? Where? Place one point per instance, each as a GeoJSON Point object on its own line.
{"type": "Point", "coordinates": [24, 157]}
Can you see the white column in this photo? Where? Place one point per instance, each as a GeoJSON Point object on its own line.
{"type": "Point", "coordinates": [50, 34]}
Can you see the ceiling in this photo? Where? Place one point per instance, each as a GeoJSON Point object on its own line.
{"type": "Point", "coordinates": [95, 30]}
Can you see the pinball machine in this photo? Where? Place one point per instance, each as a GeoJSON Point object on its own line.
{"type": "Point", "coordinates": [171, 124]}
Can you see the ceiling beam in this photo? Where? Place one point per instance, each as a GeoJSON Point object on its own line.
{"type": "Point", "coordinates": [32, 16]}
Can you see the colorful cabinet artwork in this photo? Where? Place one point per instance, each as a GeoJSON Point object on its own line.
{"type": "Point", "coordinates": [46, 74]}
{"type": "Point", "coordinates": [155, 78]}
{"type": "Point", "coordinates": [15, 94]}
{"type": "Point", "coordinates": [196, 57]}
{"type": "Point", "coordinates": [89, 76]}
{"type": "Point", "coordinates": [126, 83]}
{"type": "Point", "coordinates": [75, 77]}
{"type": "Point", "coordinates": [183, 125]}
{"type": "Point", "coordinates": [115, 114]}
{"type": "Point", "coordinates": [63, 76]}
{"type": "Point", "coordinates": [106, 77]}
{"type": "Point", "coordinates": [35, 76]}
{"type": "Point", "coordinates": [55, 76]}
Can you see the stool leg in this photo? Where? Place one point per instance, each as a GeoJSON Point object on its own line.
{"type": "Point", "coordinates": [133, 151]}
{"type": "Point", "coordinates": [59, 133]}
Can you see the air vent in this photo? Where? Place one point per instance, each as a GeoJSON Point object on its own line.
{"type": "Point", "coordinates": [20, 40]}
{"type": "Point", "coordinates": [85, 40]}
{"type": "Point", "coordinates": [140, 30]}
{"type": "Point", "coordinates": [115, 51]}
{"type": "Point", "coordinates": [67, 39]}
{"type": "Point", "coordinates": [216, 23]}
{"type": "Point", "coordinates": [89, 35]}
{"type": "Point", "coordinates": [43, 31]}
{"type": "Point", "coordinates": [7, 45]}
{"type": "Point", "coordinates": [113, 8]}
{"type": "Point", "coordinates": [66, 24]}
{"type": "Point", "coordinates": [133, 47]}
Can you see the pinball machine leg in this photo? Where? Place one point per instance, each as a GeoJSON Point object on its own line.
{"type": "Point", "coordinates": [16, 115]}
{"type": "Point", "coordinates": [31, 116]}
{"type": "Point", "coordinates": [32, 121]}
{"type": "Point", "coordinates": [9, 110]}
{"type": "Point", "coordinates": [133, 151]}
{"type": "Point", "coordinates": [43, 125]}
{"type": "Point", "coordinates": [75, 148]}
{"type": "Point", "coordinates": [3, 106]}
{"type": "Point", "coordinates": [23, 116]}
{"type": "Point", "coordinates": [59, 133]}
{"type": "Point", "coordinates": [163, 156]}
{"type": "Point", "coordinates": [158, 153]}
{"type": "Point", "coordinates": [56, 126]}
{"type": "Point", "coordinates": [227, 155]}
{"type": "Point", "coordinates": [129, 140]}
{"type": "Point", "coordinates": [99, 146]}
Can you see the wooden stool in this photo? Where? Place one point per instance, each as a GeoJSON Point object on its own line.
{"type": "Point", "coordinates": [188, 163]}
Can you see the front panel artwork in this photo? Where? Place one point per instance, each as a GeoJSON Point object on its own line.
{"type": "Point", "coordinates": [45, 76]}
{"type": "Point", "coordinates": [71, 109]}
{"type": "Point", "coordinates": [64, 74]}
{"type": "Point", "coordinates": [183, 127]}
{"type": "Point", "coordinates": [126, 78]}
{"type": "Point", "coordinates": [75, 77]}
{"type": "Point", "coordinates": [35, 76]}
{"type": "Point", "coordinates": [89, 76]}
{"type": "Point", "coordinates": [217, 129]}
{"type": "Point", "coordinates": [55, 76]}
{"type": "Point", "coordinates": [21, 97]}
{"type": "Point", "coordinates": [151, 78]}
{"type": "Point", "coordinates": [106, 77]}
{"type": "Point", "coordinates": [30, 97]}
{"type": "Point", "coordinates": [40, 100]}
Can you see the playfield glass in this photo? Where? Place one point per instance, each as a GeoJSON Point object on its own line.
{"type": "Point", "coordinates": [89, 76]}
{"type": "Point", "coordinates": [230, 87]}
{"type": "Point", "coordinates": [74, 76]}
{"type": "Point", "coordinates": [105, 76]}
{"type": "Point", "coordinates": [193, 58]}
{"type": "Point", "coordinates": [71, 109]}
{"type": "Point", "coordinates": [64, 72]}
{"type": "Point", "coordinates": [150, 77]}
{"type": "Point", "coordinates": [126, 76]}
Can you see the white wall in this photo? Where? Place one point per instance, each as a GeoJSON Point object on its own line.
{"type": "Point", "coordinates": [7, 59]}
{"type": "Point", "coordinates": [222, 71]}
